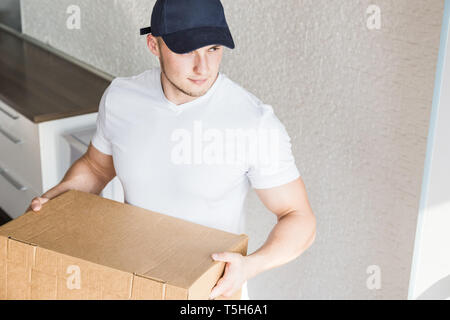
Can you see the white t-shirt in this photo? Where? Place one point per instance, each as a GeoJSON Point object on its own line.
{"type": "Point", "coordinates": [161, 155]}
{"type": "Point", "coordinates": [187, 160]}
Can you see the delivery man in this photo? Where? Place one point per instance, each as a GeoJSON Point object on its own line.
{"type": "Point", "coordinates": [151, 133]}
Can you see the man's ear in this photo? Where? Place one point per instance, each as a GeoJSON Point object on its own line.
{"type": "Point", "coordinates": [152, 44]}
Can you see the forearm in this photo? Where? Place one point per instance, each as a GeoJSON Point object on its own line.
{"type": "Point", "coordinates": [289, 238]}
{"type": "Point", "coordinates": [82, 176]}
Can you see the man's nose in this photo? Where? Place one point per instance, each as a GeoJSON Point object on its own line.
{"type": "Point", "coordinates": [201, 64]}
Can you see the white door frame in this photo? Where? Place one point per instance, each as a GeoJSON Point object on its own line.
{"type": "Point", "coordinates": [430, 270]}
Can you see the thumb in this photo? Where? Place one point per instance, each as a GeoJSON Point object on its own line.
{"type": "Point", "coordinates": [223, 256]}
{"type": "Point", "coordinates": [37, 203]}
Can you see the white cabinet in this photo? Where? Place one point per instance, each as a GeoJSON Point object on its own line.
{"type": "Point", "coordinates": [14, 195]}
{"type": "Point", "coordinates": [34, 157]}
{"type": "Point", "coordinates": [19, 145]}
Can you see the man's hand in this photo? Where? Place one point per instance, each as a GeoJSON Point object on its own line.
{"type": "Point", "coordinates": [236, 273]}
{"type": "Point", "coordinates": [36, 203]}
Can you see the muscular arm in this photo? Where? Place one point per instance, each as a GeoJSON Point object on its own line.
{"type": "Point", "coordinates": [90, 173]}
{"type": "Point", "coordinates": [292, 235]}
{"type": "Point", "coordinates": [295, 229]}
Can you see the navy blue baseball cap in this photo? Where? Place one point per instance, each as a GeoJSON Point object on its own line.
{"type": "Point", "coordinates": [186, 25]}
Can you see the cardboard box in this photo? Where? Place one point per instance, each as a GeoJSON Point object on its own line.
{"type": "Point", "coordinates": [82, 246]}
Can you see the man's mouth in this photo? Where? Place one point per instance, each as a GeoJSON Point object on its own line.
{"type": "Point", "coordinates": [198, 82]}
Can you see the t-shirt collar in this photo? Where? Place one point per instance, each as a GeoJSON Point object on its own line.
{"type": "Point", "coordinates": [182, 106]}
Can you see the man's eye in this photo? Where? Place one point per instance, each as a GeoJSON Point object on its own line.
{"type": "Point", "coordinates": [215, 49]}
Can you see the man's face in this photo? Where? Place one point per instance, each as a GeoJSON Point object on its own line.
{"type": "Point", "coordinates": [181, 69]}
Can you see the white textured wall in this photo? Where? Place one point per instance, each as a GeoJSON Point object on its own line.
{"type": "Point", "coordinates": [355, 101]}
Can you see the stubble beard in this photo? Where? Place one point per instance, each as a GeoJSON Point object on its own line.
{"type": "Point", "coordinates": [189, 93]}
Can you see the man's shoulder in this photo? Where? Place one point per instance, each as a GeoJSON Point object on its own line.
{"type": "Point", "coordinates": [130, 87]}
{"type": "Point", "coordinates": [122, 90]}
{"type": "Point", "coordinates": [245, 99]}
{"type": "Point", "coordinates": [141, 79]}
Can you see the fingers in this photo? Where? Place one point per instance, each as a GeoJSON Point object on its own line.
{"type": "Point", "coordinates": [227, 293]}
{"type": "Point", "coordinates": [222, 286]}
{"type": "Point", "coordinates": [37, 202]}
{"type": "Point", "coordinates": [226, 286]}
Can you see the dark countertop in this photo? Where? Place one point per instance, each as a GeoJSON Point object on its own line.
{"type": "Point", "coordinates": [43, 86]}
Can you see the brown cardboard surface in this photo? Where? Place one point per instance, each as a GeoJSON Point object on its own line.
{"type": "Point", "coordinates": [117, 251]}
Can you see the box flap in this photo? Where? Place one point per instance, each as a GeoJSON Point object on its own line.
{"type": "Point", "coordinates": [123, 237]}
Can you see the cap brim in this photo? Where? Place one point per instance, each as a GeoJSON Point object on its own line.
{"type": "Point", "coordinates": [189, 40]}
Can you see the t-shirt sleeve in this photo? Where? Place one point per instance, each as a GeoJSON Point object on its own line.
{"type": "Point", "coordinates": [274, 164]}
{"type": "Point", "coordinates": [100, 139]}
